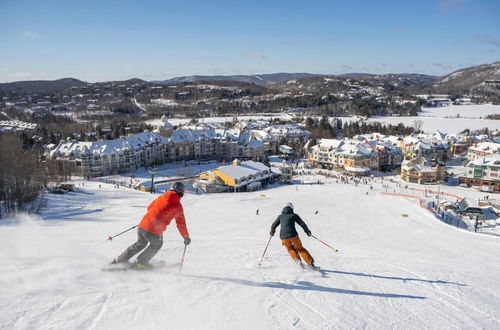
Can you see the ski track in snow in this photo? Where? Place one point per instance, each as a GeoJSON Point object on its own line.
{"type": "Point", "coordinates": [390, 272]}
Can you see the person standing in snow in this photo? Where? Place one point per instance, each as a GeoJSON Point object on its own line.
{"type": "Point", "coordinates": [289, 236]}
{"type": "Point", "coordinates": [150, 230]}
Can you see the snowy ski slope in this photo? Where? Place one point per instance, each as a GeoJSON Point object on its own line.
{"type": "Point", "coordinates": [391, 272]}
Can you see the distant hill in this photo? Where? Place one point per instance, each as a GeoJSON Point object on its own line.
{"type": "Point", "coordinates": [405, 79]}
{"type": "Point", "coordinates": [261, 80]}
{"type": "Point", "coordinates": [473, 79]}
{"type": "Point", "coordinates": [40, 86]}
{"type": "Point", "coordinates": [481, 79]}
{"type": "Point", "coordinates": [133, 81]}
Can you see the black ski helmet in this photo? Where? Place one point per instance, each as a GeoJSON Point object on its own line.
{"type": "Point", "coordinates": [179, 188]}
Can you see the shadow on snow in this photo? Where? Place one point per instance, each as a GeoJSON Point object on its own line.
{"type": "Point", "coordinates": [404, 279]}
{"type": "Point", "coordinates": [302, 285]}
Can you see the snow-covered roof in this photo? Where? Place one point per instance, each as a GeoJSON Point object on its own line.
{"type": "Point", "coordinates": [491, 160]}
{"type": "Point", "coordinates": [188, 135]}
{"type": "Point", "coordinates": [255, 165]}
{"type": "Point", "coordinates": [419, 164]}
{"type": "Point", "coordinates": [352, 147]}
{"type": "Point", "coordinates": [486, 147]}
{"type": "Point", "coordinates": [237, 172]}
{"type": "Point", "coordinates": [439, 136]}
{"type": "Point", "coordinates": [17, 124]}
{"type": "Point", "coordinates": [135, 142]}
{"type": "Point", "coordinates": [327, 144]}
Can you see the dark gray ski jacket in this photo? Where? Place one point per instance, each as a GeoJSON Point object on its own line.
{"type": "Point", "coordinates": [287, 220]}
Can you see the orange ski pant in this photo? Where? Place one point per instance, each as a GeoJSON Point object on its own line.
{"type": "Point", "coordinates": [295, 248]}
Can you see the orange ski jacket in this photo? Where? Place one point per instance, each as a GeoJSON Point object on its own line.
{"type": "Point", "coordinates": [160, 213]}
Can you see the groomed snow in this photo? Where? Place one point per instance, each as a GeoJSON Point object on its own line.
{"type": "Point", "coordinates": [391, 271]}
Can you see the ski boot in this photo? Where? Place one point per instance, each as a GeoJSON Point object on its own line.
{"type": "Point", "coordinates": [312, 266]}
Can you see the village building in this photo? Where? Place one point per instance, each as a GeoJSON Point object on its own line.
{"type": "Point", "coordinates": [431, 148]}
{"type": "Point", "coordinates": [99, 158]}
{"type": "Point", "coordinates": [354, 157]}
{"type": "Point", "coordinates": [239, 176]}
{"type": "Point", "coordinates": [422, 171]}
{"type": "Point", "coordinates": [322, 154]}
{"type": "Point", "coordinates": [483, 173]}
{"type": "Point", "coordinates": [16, 125]}
{"type": "Point", "coordinates": [482, 149]}
{"type": "Point", "coordinates": [389, 154]}
{"type": "Point", "coordinates": [166, 128]}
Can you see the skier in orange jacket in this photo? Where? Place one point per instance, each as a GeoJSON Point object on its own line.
{"type": "Point", "coordinates": [150, 230]}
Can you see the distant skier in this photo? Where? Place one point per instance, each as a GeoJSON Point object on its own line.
{"type": "Point", "coordinates": [150, 230]}
{"type": "Point", "coordinates": [257, 212]}
{"type": "Point", "coordinates": [289, 236]}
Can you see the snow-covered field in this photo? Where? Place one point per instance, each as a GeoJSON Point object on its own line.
{"type": "Point", "coordinates": [221, 120]}
{"type": "Point", "coordinates": [462, 111]}
{"type": "Point", "coordinates": [452, 119]}
{"type": "Point", "coordinates": [390, 272]}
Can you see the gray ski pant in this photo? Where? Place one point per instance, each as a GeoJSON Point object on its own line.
{"type": "Point", "coordinates": [143, 238]}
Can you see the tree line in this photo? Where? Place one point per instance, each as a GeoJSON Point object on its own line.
{"type": "Point", "coordinates": [323, 129]}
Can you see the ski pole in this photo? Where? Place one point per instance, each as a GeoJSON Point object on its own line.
{"type": "Point", "coordinates": [110, 238]}
{"type": "Point", "coordinates": [182, 261]}
{"type": "Point", "coordinates": [263, 254]}
{"type": "Point", "coordinates": [331, 247]}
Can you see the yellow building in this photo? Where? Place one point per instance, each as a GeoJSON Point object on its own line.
{"type": "Point", "coordinates": [248, 175]}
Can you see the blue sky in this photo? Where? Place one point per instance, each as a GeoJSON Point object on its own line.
{"type": "Point", "coordinates": [151, 40]}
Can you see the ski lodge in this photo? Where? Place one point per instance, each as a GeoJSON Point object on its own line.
{"type": "Point", "coordinates": [240, 176]}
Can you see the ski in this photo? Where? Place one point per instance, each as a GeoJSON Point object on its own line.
{"type": "Point", "coordinates": [132, 266]}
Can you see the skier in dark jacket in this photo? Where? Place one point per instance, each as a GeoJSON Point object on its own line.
{"type": "Point", "coordinates": [289, 236]}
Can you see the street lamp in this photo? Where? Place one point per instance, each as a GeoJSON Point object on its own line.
{"type": "Point", "coordinates": [439, 192]}
{"type": "Point", "coordinates": [152, 172]}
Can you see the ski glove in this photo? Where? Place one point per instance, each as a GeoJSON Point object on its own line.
{"type": "Point", "coordinates": [308, 233]}
{"type": "Point", "coordinates": [271, 233]}
{"type": "Point", "coordinates": [187, 240]}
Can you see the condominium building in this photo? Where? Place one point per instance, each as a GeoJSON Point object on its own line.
{"type": "Point", "coordinates": [422, 170]}
{"type": "Point", "coordinates": [483, 172]}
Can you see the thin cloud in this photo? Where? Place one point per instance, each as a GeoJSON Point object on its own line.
{"type": "Point", "coordinates": [30, 34]}
{"type": "Point", "coordinates": [21, 75]}
{"type": "Point", "coordinates": [145, 75]}
{"type": "Point", "coordinates": [334, 39]}
{"type": "Point", "coordinates": [489, 39]}
{"type": "Point", "coordinates": [255, 55]}
{"type": "Point", "coordinates": [29, 75]}
{"type": "Point", "coordinates": [346, 67]}
{"type": "Point", "coordinates": [442, 66]}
